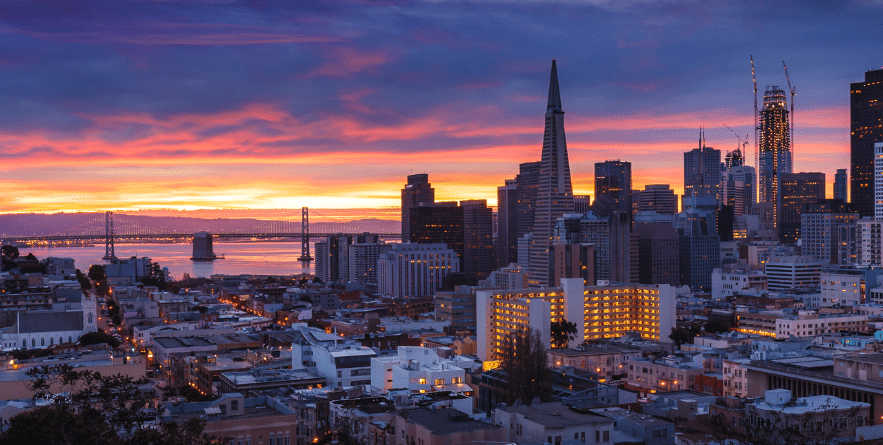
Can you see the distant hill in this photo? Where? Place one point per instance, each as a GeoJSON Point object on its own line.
{"type": "Point", "coordinates": [36, 224]}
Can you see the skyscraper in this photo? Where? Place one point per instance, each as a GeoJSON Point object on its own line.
{"type": "Point", "coordinates": [526, 183]}
{"type": "Point", "coordinates": [699, 246]}
{"type": "Point", "coordinates": [417, 190]}
{"type": "Point", "coordinates": [825, 234]}
{"type": "Point", "coordinates": [741, 189]}
{"type": "Point", "coordinates": [507, 223]}
{"type": "Point", "coordinates": [659, 198]}
{"type": "Point", "coordinates": [796, 191]}
{"type": "Point", "coordinates": [734, 159]}
{"type": "Point", "coordinates": [840, 184]}
{"type": "Point", "coordinates": [878, 180]}
{"type": "Point", "coordinates": [467, 229]}
{"type": "Point", "coordinates": [554, 193]}
{"type": "Point", "coordinates": [775, 148]}
{"type": "Point", "coordinates": [613, 187]}
{"type": "Point", "coordinates": [478, 243]}
{"type": "Point", "coordinates": [332, 262]}
{"type": "Point", "coordinates": [438, 222]}
{"type": "Point", "coordinates": [866, 128]}
{"type": "Point", "coordinates": [702, 172]}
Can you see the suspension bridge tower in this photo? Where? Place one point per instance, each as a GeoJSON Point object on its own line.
{"type": "Point", "coordinates": [305, 235]}
{"type": "Point", "coordinates": [108, 237]}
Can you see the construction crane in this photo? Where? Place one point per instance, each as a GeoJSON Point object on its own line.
{"type": "Point", "coordinates": [742, 142]}
{"type": "Point", "coordinates": [754, 79]}
{"type": "Point", "coordinates": [792, 91]}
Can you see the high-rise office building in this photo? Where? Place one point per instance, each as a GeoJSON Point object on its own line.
{"type": "Point", "coordinates": [363, 254]}
{"type": "Point", "coordinates": [840, 186]}
{"type": "Point", "coordinates": [734, 159]}
{"type": "Point", "coordinates": [741, 187]}
{"type": "Point", "coordinates": [613, 187]}
{"type": "Point", "coordinates": [478, 243]}
{"type": "Point", "coordinates": [582, 203]}
{"type": "Point", "coordinates": [702, 172]}
{"type": "Point", "coordinates": [526, 182]}
{"type": "Point", "coordinates": [699, 249]}
{"type": "Point", "coordinates": [417, 190]}
{"type": "Point", "coordinates": [658, 244]}
{"type": "Point", "coordinates": [573, 261]}
{"type": "Point", "coordinates": [825, 234]}
{"type": "Point", "coordinates": [415, 270]}
{"type": "Point", "coordinates": [796, 191]}
{"type": "Point", "coordinates": [467, 229]}
{"type": "Point", "coordinates": [878, 180]}
{"type": "Point", "coordinates": [774, 153]}
{"type": "Point", "coordinates": [507, 223]}
{"type": "Point", "coordinates": [866, 128]}
{"type": "Point", "coordinates": [332, 262]}
{"type": "Point", "coordinates": [555, 192]}
{"type": "Point", "coordinates": [438, 222]}
{"type": "Point", "coordinates": [659, 198]}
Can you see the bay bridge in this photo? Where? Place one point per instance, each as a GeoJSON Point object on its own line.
{"type": "Point", "coordinates": [110, 228]}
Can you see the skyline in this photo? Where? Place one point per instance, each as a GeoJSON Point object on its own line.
{"type": "Point", "coordinates": [330, 106]}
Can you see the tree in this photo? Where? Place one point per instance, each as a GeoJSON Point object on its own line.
{"type": "Point", "coordinates": [524, 361]}
{"type": "Point", "coordinates": [562, 333]}
{"type": "Point", "coordinates": [85, 284]}
{"type": "Point", "coordinates": [96, 338]}
{"type": "Point", "coordinates": [9, 252]}
{"type": "Point", "coordinates": [155, 276]}
{"type": "Point", "coordinates": [97, 272]}
{"type": "Point", "coordinates": [683, 335]}
{"type": "Point", "coordinates": [87, 407]}
{"type": "Point", "coordinates": [716, 327]}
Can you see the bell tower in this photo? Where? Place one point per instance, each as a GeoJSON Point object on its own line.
{"type": "Point", "coordinates": [90, 312]}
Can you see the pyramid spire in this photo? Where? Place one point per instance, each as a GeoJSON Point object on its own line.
{"type": "Point", "coordinates": [554, 93]}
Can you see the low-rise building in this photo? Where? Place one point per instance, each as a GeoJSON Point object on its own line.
{"type": "Point", "coordinates": [552, 423]}
{"type": "Point", "coordinates": [814, 416]}
{"type": "Point", "coordinates": [241, 419]}
{"type": "Point", "coordinates": [419, 370]}
{"type": "Point", "coordinates": [727, 284]}
{"type": "Point", "coordinates": [607, 360]}
{"type": "Point", "coordinates": [444, 426]}
{"type": "Point", "coordinates": [669, 372]}
{"type": "Point", "coordinates": [639, 427]}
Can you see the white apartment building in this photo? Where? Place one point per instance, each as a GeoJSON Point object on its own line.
{"type": "Point", "coordinates": [420, 370]}
{"type": "Point", "coordinates": [869, 251]}
{"type": "Point", "coordinates": [841, 289]}
{"type": "Point", "coordinates": [415, 270]}
{"type": "Point", "coordinates": [735, 376]}
{"type": "Point", "coordinates": [341, 361]}
{"type": "Point", "coordinates": [878, 180]}
{"type": "Point", "coordinates": [793, 272]}
{"type": "Point", "coordinates": [726, 284]}
{"type": "Point", "coordinates": [810, 324]}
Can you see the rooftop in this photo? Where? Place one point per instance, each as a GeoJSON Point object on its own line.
{"type": "Point", "coordinates": [555, 415]}
{"type": "Point", "coordinates": [446, 421]}
{"type": "Point", "coordinates": [629, 416]}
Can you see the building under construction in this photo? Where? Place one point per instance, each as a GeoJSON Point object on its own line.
{"type": "Point", "coordinates": [774, 151]}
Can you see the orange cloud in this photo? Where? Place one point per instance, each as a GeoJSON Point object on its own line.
{"type": "Point", "coordinates": [261, 156]}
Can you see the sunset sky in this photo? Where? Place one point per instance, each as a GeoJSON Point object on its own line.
{"type": "Point", "coordinates": [143, 106]}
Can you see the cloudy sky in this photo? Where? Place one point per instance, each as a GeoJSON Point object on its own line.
{"type": "Point", "coordinates": [130, 105]}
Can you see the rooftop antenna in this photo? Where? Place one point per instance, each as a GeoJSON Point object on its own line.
{"type": "Point", "coordinates": [793, 92]}
{"type": "Point", "coordinates": [754, 79]}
